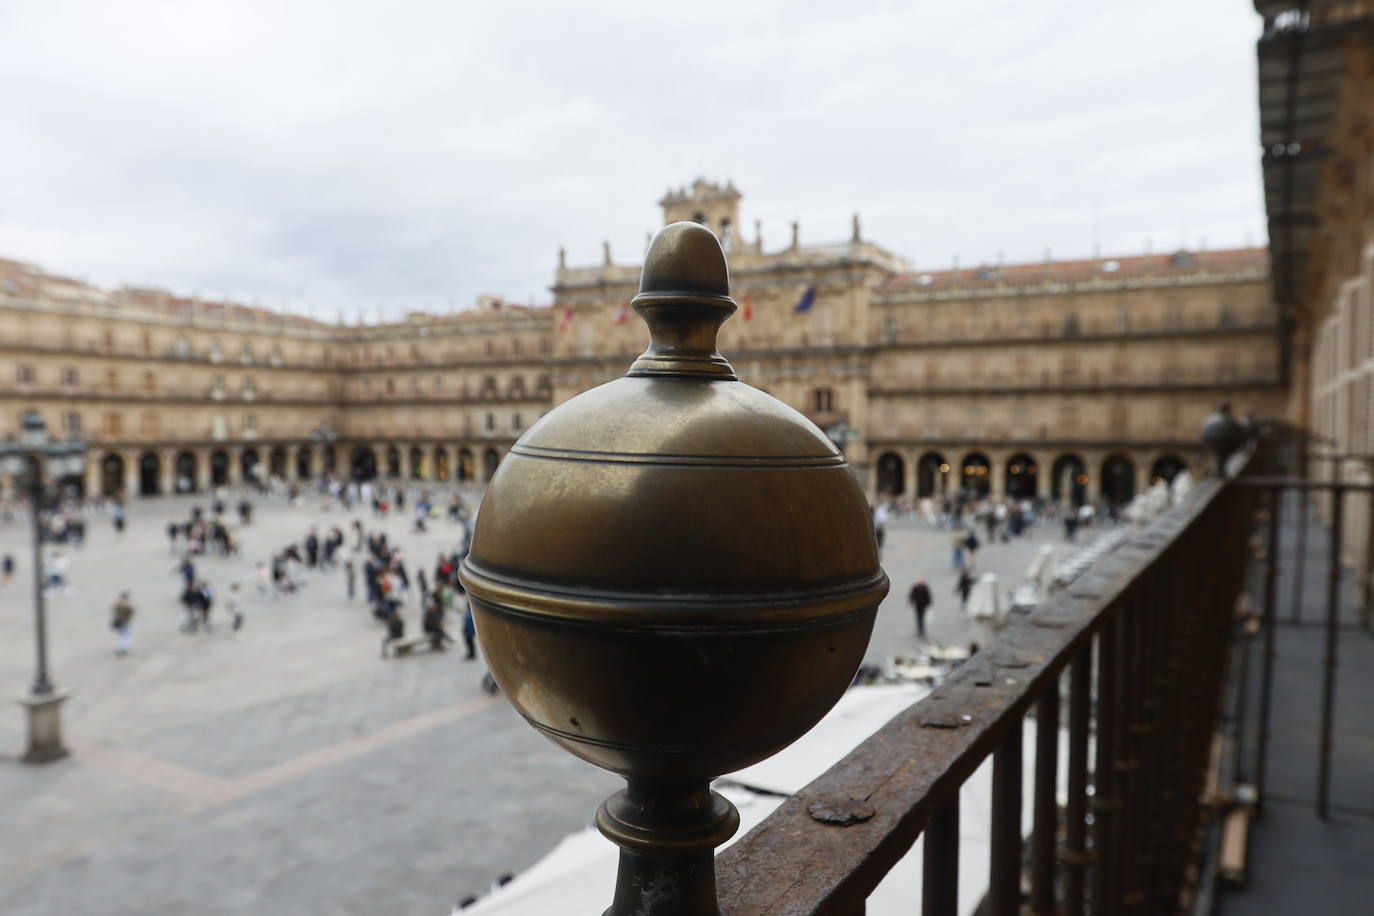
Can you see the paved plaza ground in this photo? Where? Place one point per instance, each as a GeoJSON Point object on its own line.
{"type": "Point", "coordinates": [292, 770]}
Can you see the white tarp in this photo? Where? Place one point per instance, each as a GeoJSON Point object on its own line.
{"type": "Point", "coordinates": [578, 875]}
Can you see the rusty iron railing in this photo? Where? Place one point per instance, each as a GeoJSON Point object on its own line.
{"type": "Point", "coordinates": [1142, 642]}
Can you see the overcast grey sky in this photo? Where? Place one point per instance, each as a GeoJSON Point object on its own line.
{"type": "Point", "coordinates": [381, 155]}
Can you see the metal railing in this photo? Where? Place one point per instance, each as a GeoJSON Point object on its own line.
{"type": "Point", "coordinates": [1142, 641]}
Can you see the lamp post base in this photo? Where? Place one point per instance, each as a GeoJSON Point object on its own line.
{"type": "Point", "coordinates": [44, 713]}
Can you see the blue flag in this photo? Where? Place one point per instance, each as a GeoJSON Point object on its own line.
{"type": "Point", "coordinates": [807, 300]}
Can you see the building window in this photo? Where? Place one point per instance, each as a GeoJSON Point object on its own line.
{"type": "Point", "coordinates": [216, 350]}
{"type": "Point", "coordinates": [489, 387]}
{"type": "Point", "coordinates": [250, 426]}
{"type": "Point", "coordinates": [515, 347]}
{"type": "Point", "coordinates": [517, 387]}
{"type": "Point", "coordinates": [515, 422]}
{"type": "Point", "coordinates": [489, 348]}
{"type": "Point", "coordinates": [114, 425]}
{"type": "Point", "coordinates": [182, 348]}
{"type": "Point", "coordinates": [26, 375]}
{"type": "Point", "coordinates": [217, 387]}
{"type": "Point", "coordinates": [890, 330]}
{"type": "Point", "coordinates": [69, 377]}
{"type": "Point", "coordinates": [150, 382]}
{"type": "Point", "coordinates": [219, 428]}
{"type": "Point", "coordinates": [823, 400]}
{"type": "Point", "coordinates": [276, 354]}
{"type": "Point", "coordinates": [147, 341]}
{"type": "Point", "coordinates": [71, 424]}
{"type": "Point", "coordinates": [491, 422]}
{"type": "Point", "coordinates": [111, 380]}
{"type": "Point", "coordinates": [250, 388]}
{"type": "Point", "coordinates": [246, 354]}
{"type": "Point", "coordinates": [107, 339]}
{"type": "Point", "coordinates": [1071, 325]}
{"type": "Point", "coordinates": [542, 386]}
{"type": "Point", "coordinates": [414, 385]}
{"type": "Point", "coordinates": [148, 423]}
{"type": "Point", "coordinates": [391, 386]}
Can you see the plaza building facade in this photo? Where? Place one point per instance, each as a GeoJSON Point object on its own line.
{"type": "Point", "coordinates": [1071, 380]}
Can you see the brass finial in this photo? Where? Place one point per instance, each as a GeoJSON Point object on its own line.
{"type": "Point", "coordinates": [684, 297]}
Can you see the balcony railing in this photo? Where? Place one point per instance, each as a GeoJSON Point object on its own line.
{"type": "Point", "coordinates": [1141, 641]}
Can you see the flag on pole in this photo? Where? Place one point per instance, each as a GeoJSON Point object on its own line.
{"type": "Point", "coordinates": [807, 300]}
{"type": "Point", "coordinates": [565, 319]}
{"type": "Point", "coordinates": [622, 313]}
{"type": "Point", "coordinates": [748, 307]}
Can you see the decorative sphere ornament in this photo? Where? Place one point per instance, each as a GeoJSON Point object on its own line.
{"type": "Point", "coordinates": [674, 575]}
{"type": "Point", "coordinates": [1223, 435]}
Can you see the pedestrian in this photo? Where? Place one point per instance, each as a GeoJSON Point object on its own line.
{"type": "Point", "coordinates": [350, 577]}
{"type": "Point", "coordinates": [231, 605]}
{"type": "Point", "coordinates": [262, 579]}
{"type": "Point", "coordinates": [971, 545]}
{"type": "Point", "coordinates": [957, 542]}
{"type": "Point", "coordinates": [881, 512]}
{"type": "Point", "coordinates": [173, 529]}
{"type": "Point", "coordinates": [122, 622]}
{"type": "Point", "coordinates": [423, 584]}
{"type": "Point", "coordinates": [118, 514]}
{"type": "Point", "coordinates": [920, 602]}
{"type": "Point", "coordinates": [7, 570]}
{"type": "Point", "coordinates": [312, 549]}
{"type": "Point", "coordinates": [964, 586]}
{"type": "Point", "coordinates": [461, 605]}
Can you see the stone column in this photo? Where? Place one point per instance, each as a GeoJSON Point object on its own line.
{"type": "Point", "coordinates": [92, 472]}
{"type": "Point", "coordinates": [168, 471]}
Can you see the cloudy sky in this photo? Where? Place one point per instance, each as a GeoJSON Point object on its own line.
{"type": "Point", "coordinates": [384, 155]}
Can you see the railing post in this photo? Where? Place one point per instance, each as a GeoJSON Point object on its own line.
{"type": "Point", "coordinates": [1004, 860]}
{"type": "Point", "coordinates": [940, 862]}
{"type": "Point", "coordinates": [1271, 566]}
{"type": "Point", "coordinates": [1333, 587]}
{"type": "Point", "coordinates": [1046, 805]}
{"type": "Point", "coordinates": [1105, 803]}
{"type": "Point", "coordinates": [1074, 853]}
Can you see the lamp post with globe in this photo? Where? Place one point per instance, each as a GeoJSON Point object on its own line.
{"type": "Point", "coordinates": [28, 461]}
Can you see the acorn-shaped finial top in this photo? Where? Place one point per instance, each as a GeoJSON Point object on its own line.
{"type": "Point", "coordinates": [684, 296]}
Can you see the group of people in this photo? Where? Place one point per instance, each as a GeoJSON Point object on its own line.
{"type": "Point", "coordinates": [198, 535]}
{"type": "Point", "coordinates": [388, 582]}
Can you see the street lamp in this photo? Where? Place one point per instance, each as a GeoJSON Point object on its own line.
{"type": "Point", "coordinates": [26, 462]}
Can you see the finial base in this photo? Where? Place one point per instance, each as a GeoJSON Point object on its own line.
{"type": "Point", "coordinates": [667, 836]}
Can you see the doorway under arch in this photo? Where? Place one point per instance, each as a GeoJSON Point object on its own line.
{"type": "Point", "coordinates": [466, 468]}
{"type": "Point", "coordinates": [1069, 480]}
{"type": "Point", "coordinates": [490, 461]}
{"type": "Point", "coordinates": [276, 462]}
{"type": "Point", "coordinates": [186, 472]}
{"type": "Point", "coordinates": [932, 475]}
{"type": "Point", "coordinates": [393, 462]}
{"type": "Point", "coordinates": [1118, 480]}
{"type": "Point", "coordinates": [891, 474]}
{"type": "Point", "coordinates": [417, 462]}
{"type": "Point", "coordinates": [1166, 468]}
{"type": "Point", "coordinates": [219, 467]}
{"type": "Point", "coordinates": [1023, 476]}
{"type": "Point", "coordinates": [112, 475]}
{"type": "Point", "coordinates": [248, 466]}
{"type": "Point", "coordinates": [362, 464]}
{"type": "Point", "coordinates": [975, 474]}
{"type": "Point", "coordinates": [149, 474]}
{"type": "Point", "coordinates": [441, 466]}
{"type": "Point", "coordinates": [305, 458]}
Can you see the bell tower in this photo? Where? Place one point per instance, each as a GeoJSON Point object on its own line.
{"type": "Point", "coordinates": [705, 202]}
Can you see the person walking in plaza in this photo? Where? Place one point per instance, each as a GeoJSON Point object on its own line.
{"type": "Point", "coordinates": [7, 570]}
{"type": "Point", "coordinates": [232, 606]}
{"type": "Point", "coordinates": [350, 577]}
{"type": "Point", "coordinates": [920, 600]}
{"type": "Point", "coordinates": [122, 621]}
{"type": "Point", "coordinates": [117, 514]}
{"type": "Point", "coordinates": [881, 513]}
{"type": "Point", "coordinates": [173, 531]}
{"type": "Point", "coordinates": [964, 586]}
{"type": "Point", "coordinates": [462, 606]}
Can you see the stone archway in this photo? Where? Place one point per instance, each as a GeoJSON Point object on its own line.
{"type": "Point", "coordinates": [149, 474]}
{"type": "Point", "coordinates": [362, 464]}
{"type": "Point", "coordinates": [891, 474]}
{"type": "Point", "coordinates": [219, 467]}
{"type": "Point", "coordinates": [393, 462]}
{"type": "Point", "coordinates": [1166, 468]}
{"type": "Point", "coordinates": [467, 469]}
{"type": "Point", "coordinates": [276, 462]}
{"type": "Point", "coordinates": [932, 475]}
{"type": "Point", "coordinates": [1069, 480]}
{"type": "Point", "coordinates": [187, 469]}
{"type": "Point", "coordinates": [490, 461]}
{"type": "Point", "coordinates": [112, 475]}
{"type": "Point", "coordinates": [249, 467]}
{"type": "Point", "coordinates": [1023, 476]}
{"type": "Point", "coordinates": [441, 465]}
{"type": "Point", "coordinates": [975, 474]}
{"type": "Point", "coordinates": [305, 459]}
{"type": "Point", "coordinates": [1118, 479]}
{"type": "Point", "coordinates": [417, 463]}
